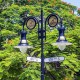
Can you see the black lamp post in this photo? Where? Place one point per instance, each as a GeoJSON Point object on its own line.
{"type": "Point", "coordinates": [31, 22]}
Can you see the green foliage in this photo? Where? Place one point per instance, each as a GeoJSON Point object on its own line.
{"type": "Point", "coordinates": [13, 64]}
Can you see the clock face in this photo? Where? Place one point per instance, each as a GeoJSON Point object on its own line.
{"type": "Point", "coordinates": [31, 23]}
{"type": "Point", "coordinates": [52, 20]}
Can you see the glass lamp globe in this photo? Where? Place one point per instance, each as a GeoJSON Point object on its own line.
{"type": "Point", "coordinates": [62, 45]}
{"type": "Point", "coordinates": [23, 49]}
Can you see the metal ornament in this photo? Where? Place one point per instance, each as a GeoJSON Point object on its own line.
{"type": "Point", "coordinates": [31, 23]}
{"type": "Point", "coordinates": [52, 20]}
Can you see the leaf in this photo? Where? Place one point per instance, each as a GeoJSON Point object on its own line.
{"type": "Point", "coordinates": [66, 62]}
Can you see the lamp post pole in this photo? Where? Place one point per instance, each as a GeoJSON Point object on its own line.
{"type": "Point", "coordinates": [42, 47]}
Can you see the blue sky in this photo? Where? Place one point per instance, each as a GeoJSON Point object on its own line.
{"type": "Point", "coordinates": [73, 2]}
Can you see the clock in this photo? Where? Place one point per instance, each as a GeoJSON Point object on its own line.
{"type": "Point", "coordinates": [31, 23]}
{"type": "Point", "coordinates": [52, 20]}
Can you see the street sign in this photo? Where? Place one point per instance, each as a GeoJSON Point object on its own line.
{"type": "Point", "coordinates": [34, 59]}
{"type": "Point", "coordinates": [53, 59]}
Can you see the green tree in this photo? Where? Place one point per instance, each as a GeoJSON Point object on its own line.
{"type": "Point", "coordinates": [13, 64]}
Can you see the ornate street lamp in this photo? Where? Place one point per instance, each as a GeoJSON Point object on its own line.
{"type": "Point", "coordinates": [30, 23]}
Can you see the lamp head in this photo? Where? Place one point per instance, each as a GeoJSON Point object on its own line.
{"type": "Point", "coordinates": [61, 42]}
{"type": "Point", "coordinates": [23, 45]}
